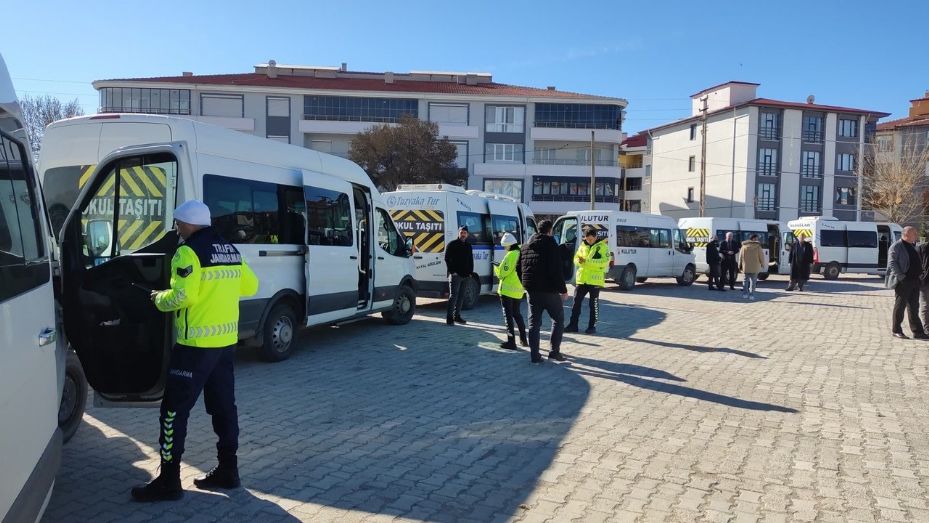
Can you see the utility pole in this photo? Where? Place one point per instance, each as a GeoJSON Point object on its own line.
{"type": "Point", "coordinates": [593, 174]}
{"type": "Point", "coordinates": [703, 158]}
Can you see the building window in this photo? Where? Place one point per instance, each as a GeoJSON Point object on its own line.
{"type": "Point", "coordinates": [546, 156]}
{"type": "Point", "coordinates": [693, 131]}
{"type": "Point", "coordinates": [569, 189]}
{"type": "Point", "coordinates": [504, 119]}
{"type": "Point", "coordinates": [601, 156]}
{"type": "Point", "coordinates": [848, 128]}
{"type": "Point", "coordinates": [768, 129]}
{"type": "Point", "coordinates": [452, 114]}
{"type": "Point", "coordinates": [277, 122]}
{"type": "Point", "coordinates": [765, 197]}
{"type": "Point", "coordinates": [222, 105]}
{"type": "Point", "coordinates": [810, 164]}
{"type": "Point", "coordinates": [632, 161]}
{"type": "Point", "coordinates": [885, 144]}
{"type": "Point", "coordinates": [461, 156]}
{"type": "Point", "coordinates": [149, 101]}
{"type": "Point", "coordinates": [690, 195]}
{"type": "Point", "coordinates": [691, 164]}
{"type": "Point", "coordinates": [633, 205]}
{"type": "Point", "coordinates": [633, 184]}
{"type": "Point", "coordinates": [809, 198]}
{"type": "Point", "coordinates": [845, 195]}
{"type": "Point", "coordinates": [813, 129]}
{"type": "Point", "coordinates": [503, 152]}
{"type": "Point", "coordinates": [577, 116]}
{"type": "Point", "coordinates": [358, 109]}
{"type": "Point", "coordinates": [767, 162]}
{"type": "Point", "coordinates": [845, 162]}
{"type": "Point", "coordinates": [506, 187]}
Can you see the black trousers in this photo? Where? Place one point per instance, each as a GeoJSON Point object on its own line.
{"type": "Point", "coordinates": [455, 295]}
{"type": "Point", "coordinates": [579, 292]}
{"type": "Point", "coordinates": [512, 317]}
{"type": "Point", "coordinates": [714, 278]}
{"type": "Point", "coordinates": [730, 270]}
{"type": "Point", "coordinates": [549, 302]}
{"type": "Point", "coordinates": [191, 371]}
{"type": "Point", "coordinates": [906, 296]}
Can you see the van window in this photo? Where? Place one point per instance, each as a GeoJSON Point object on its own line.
{"type": "Point", "coordinates": [680, 242]}
{"type": "Point", "coordinates": [387, 236]}
{"type": "Point", "coordinates": [248, 211]}
{"type": "Point", "coordinates": [21, 239]}
{"type": "Point", "coordinates": [504, 224]}
{"type": "Point", "coordinates": [328, 217]}
{"type": "Point", "coordinates": [478, 227]}
{"type": "Point", "coordinates": [866, 239]}
{"type": "Point", "coordinates": [832, 239]}
{"type": "Point", "coordinates": [660, 238]}
{"type": "Point", "coordinates": [62, 185]}
{"type": "Point", "coordinates": [531, 228]}
{"type": "Point", "coordinates": [632, 236]}
{"type": "Point", "coordinates": [721, 234]}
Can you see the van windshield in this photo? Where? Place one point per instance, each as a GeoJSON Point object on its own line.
{"type": "Point", "coordinates": [762, 236]}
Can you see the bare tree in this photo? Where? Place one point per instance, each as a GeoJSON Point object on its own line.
{"type": "Point", "coordinates": [410, 152]}
{"type": "Point", "coordinates": [895, 183]}
{"type": "Point", "coordinates": [40, 111]}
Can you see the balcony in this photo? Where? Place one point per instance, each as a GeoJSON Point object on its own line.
{"type": "Point", "coordinates": [812, 136]}
{"type": "Point", "coordinates": [610, 136]}
{"type": "Point", "coordinates": [766, 169]}
{"type": "Point", "coordinates": [769, 133]}
{"type": "Point", "coordinates": [567, 161]}
{"type": "Point", "coordinates": [811, 171]}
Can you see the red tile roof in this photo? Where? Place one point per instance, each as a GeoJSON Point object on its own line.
{"type": "Point", "coordinates": [816, 107]}
{"type": "Point", "coordinates": [909, 121]}
{"type": "Point", "coordinates": [366, 84]}
{"type": "Point", "coordinates": [638, 140]}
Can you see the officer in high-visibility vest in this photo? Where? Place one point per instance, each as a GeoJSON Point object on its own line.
{"type": "Point", "coordinates": [511, 293]}
{"type": "Point", "coordinates": [592, 260]}
{"type": "Point", "coordinates": [207, 278]}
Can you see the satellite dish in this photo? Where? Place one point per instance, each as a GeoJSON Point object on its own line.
{"type": "Point", "coordinates": [810, 99]}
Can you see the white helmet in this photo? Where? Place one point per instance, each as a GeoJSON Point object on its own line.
{"type": "Point", "coordinates": [508, 239]}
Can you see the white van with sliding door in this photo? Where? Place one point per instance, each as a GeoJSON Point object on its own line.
{"type": "Point", "coordinates": [429, 215]}
{"type": "Point", "coordinates": [312, 226]}
{"type": "Point", "coordinates": [698, 232]}
{"type": "Point", "coordinates": [642, 245]}
{"type": "Point", "coordinates": [845, 246]}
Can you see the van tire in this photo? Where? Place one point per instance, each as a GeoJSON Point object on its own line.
{"type": "Point", "coordinates": [763, 276]}
{"type": "Point", "coordinates": [641, 280]}
{"type": "Point", "coordinates": [832, 271]}
{"type": "Point", "coordinates": [626, 279]}
{"type": "Point", "coordinates": [688, 277]}
{"type": "Point", "coordinates": [472, 291]}
{"type": "Point", "coordinates": [403, 308]}
{"type": "Point", "coordinates": [278, 333]}
{"type": "Point", "coordinates": [73, 397]}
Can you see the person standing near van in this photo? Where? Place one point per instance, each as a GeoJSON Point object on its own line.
{"type": "Point", "coordinates": [922, 249]}
{"type": "Point", "coordinates": [459, 260]}
{"type": "Point", "coordinates": [208, 276]}
{"type": "Point", "coordinates": [801, 261]}
{"type": "Point", "coordinates": [751, 262]}
{"type": "Point", "coordinates": [712, 260]}
{"type": "Point", "coordinates": [729, 248]}
{"type": "Point", "coordinates": [543, 279]}
{"type": "Point", "coordinates": [511, 293]}
{"type": "Point", "coordinates": [592, 260]}
{"type": "Point", "coordinates": [904, 269]}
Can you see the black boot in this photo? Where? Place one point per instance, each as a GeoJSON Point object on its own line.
{"type": "Point", "coordinates": [509, 344]}
{"type": "Point", "coordinates": [571, 327]}
{"type": "Point", "coordinates": [449, 321]}
{"type": "Point", "coordinates": [223, 476]}
{"type": "Point", "coordinates": [459, 319]}
{"type": "Point", "coordinates": [165, 487]}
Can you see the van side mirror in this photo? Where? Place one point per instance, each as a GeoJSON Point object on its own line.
{"type": "Point", "coordinates": [410, 248]}
{"type": "Point", "coordinates": [99, 235]}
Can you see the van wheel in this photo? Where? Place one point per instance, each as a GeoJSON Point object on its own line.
{"type": "Point", "coordinates": [404, 306]}
{"type": "Point", "coordinates": [278, 333]}
{"type": "Point", "coordinates": [73, 397]}
{"type": "Point", "coordinates": [627, 278]}
{"type": "Point", "coordinates": [763, 276]}
{"type": "Point", "coordinates": [472, 291]}
{"type": "Point", "coordinates": [688, 276]}
{"type": "Point", "coordinates": [641, 280]}
{"type": "Point", "coordinates": [832, 271]}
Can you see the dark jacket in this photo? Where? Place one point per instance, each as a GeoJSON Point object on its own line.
{"type": "Point", "coordinates": [725, 246]}
{"type": "Point", "coordinates": [923, 250]}
{"type": "Point", "coordinates": [801, 260]}
{"type": "Point", "coordinates": [458, 258]}
{"type": "Point", "coordinates": [712, 253]}
{"type": "Point", "coordinates": [541, 265]}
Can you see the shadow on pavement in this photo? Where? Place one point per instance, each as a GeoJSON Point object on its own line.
{"type": "Point", "coordinates": [698, 348]}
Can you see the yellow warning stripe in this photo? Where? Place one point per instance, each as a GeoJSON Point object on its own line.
{"type": "Point", "coordinates": [145, 175]}
{"type": "Point", "coordinates": [803, 233]}
{"type": "Point", "coordinates": [435, 244]}
{"type": "Point", "coordinates": [85, 175]}
{"type": "Point", "coordinates": [143, 238]}
{"type": "Point", "coordinates": [125, 237]}
{"type": "Point", "coordinates": [134, 187]}
{"type": "Point", "coordinates": [107, 188]}
{"type": "Point", "coordinates": [435, 215]}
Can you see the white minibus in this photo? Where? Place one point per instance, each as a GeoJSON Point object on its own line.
{"type": "Point", "coordinates": [846, 246]}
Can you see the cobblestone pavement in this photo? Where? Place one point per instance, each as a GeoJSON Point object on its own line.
{"type": "Point", "coordinates": [689, 405]}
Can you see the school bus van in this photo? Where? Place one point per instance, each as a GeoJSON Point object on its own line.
{"type": "Point", "coordinates": [642, 246]}
{"type": "Point", "coordinates": [698, 232]}
{"type": "Point", "coordinates": [311, 225]}
{"type": "Point", "coordinates": [429, 215]}
{"type": "Point", "coordinates": [846, 246]}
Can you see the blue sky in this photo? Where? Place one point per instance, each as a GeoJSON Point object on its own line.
{"type": "Point", "coordinates": [870, 55]}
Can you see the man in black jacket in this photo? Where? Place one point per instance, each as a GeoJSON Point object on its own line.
{"type": "Point", "coordinates": [729, 248]}
{"type": "Point", "coordinates": [460, 263]}
{"type": "Point", "coordinates": [713, 259]}
{"type": "Point", "coordinates": [542, 276]}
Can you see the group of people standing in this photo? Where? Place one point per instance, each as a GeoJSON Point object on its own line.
{"type": "Point", "coordinates": [534, 270]}
{"type": "Point", "coordinates": [730, 257]}
{"type": "Point", "coordinates": [908, 276]}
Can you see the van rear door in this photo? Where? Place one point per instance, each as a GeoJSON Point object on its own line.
{"type": "Point", "coordinates": [116, 247]}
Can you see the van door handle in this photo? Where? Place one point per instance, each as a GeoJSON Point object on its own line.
{"type": "Point", "coordinates": [47, 336]}
{"type": "Point", "coordinates": [417, 257]}
{"type": "Point", "coordinates": [353, 257]}
{"type": "Point", "coordinates": [380, 257]}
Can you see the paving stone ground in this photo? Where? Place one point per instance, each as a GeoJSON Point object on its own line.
{"type": "Point", "coordinates": [689, 405]}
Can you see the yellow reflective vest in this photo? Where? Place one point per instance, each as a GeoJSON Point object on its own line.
{"type": "Point", "coordinates": [592, 271]}
{"type": "Point", "coordinates": [510, 286]}
{"type": "Point", "coordinates": [208, 276]}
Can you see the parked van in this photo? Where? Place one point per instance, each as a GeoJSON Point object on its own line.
{"type": "Point", "coordinates": [33, 367]}
{"type": "Point", "coordinates": [844, 246]}
{"type": "Point", "coordinates": [699, 230]}
{"type": "Point", "coordinates": [312, 226]}
{"type": "Point", "coordinates": [642, 245]}
{"type": "Point", "coordinates": [429, 215]}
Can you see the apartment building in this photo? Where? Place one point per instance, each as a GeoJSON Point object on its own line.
{"type": "Point", "coordinates": [533, 144]}
{"type": "Point", "coordinates": [764, 158]}
{"type": "Point", "coordinates": [635, 165]}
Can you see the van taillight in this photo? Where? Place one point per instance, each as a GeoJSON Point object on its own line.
{"type": "Point", "coordinates": [815, 255]}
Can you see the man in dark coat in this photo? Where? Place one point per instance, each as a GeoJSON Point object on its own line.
{"type": "Point", "coordinates": [904, 269]}
{"type": "Point", "coordinates": [543, 278]}
{"type": "Point", "coordinates": [460, 262]}
{"type": "Point", "coordinates": [728, 249]}
{"type": "Point", "coordinates": [713, 259]}
{"type": "Point", "coordinates": [801, 260]}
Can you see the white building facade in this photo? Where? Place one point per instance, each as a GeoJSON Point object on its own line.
{"type": "Point", "coordinates": [530, 143]}
{"type": "Point", "coordinates": [764, 159]}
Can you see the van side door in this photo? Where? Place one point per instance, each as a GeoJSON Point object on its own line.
{"type": "Point", "coordinates": [565, 233]}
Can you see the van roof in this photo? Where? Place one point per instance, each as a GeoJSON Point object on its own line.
{"type": "Point", "coordinates": [429, 187]}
